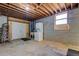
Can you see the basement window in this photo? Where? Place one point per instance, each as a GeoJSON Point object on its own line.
{"type": "Point", "coordinates": [61, 21]}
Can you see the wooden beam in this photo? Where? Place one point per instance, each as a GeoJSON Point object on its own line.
{"type": "Point", "coordinates": [18, 20]}
{"type": "Point", "coordinates": [31, 13]}
{"type": "Point", "coordinates": [3, 6]}
{"type": "Point", "coordinates": [71, 5]}
{"type": "Point", "coordinates": [65, 6]}
{"type": "Point", "coordinates": [32, 9]}
{"type": "Point", "coordinates": [62, 6]}
{"type": "Point", "coordinates": [6, 9]}
{"type": "Point", "coordinates": [44, 10]}
{"type": "Point", "coordinates": [48, 8]}
{"type": "Point", "coordinates": [10, 30]}
{"type": "Point", "coordinates": [56, 6]}
{"type": "Point", "coordinates": [35, 10]}
{"type": "Point", "coordinates": [51, 6]}
{"type": "Point", "coordinates": [38, 9]}
{"type": "Point", "coordinates": [12, 13]}
{"type": "Point", "coordinates": [10, 8]}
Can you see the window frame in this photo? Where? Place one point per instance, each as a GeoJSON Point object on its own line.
{"type": "Point", "coordinates": [61, 18]}
{"type": "Point", "coordinates": [58, 27]}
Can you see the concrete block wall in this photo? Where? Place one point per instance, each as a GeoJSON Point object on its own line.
{"type": "Point", "coordinates": [3, 19]}
{"type": "Point", "coordinates": [68, 37]}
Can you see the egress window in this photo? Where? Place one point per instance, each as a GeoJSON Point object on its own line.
{"type": "Point", "coordinates": [61, 18]}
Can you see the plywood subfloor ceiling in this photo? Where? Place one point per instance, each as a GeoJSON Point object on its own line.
{"type": "Point", "coordinates": [34, 11]}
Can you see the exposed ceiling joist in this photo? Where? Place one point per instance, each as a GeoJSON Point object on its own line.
{"type": "Point", "coordinates": [57, 6]}
{"type": "Point", "coordinates": [34, 11]}
{"type": "Point", "coordinates": [27, 12]}
{"type": "Point", "coordinates": [53, 8]}
{"type": "Point", "coordinates": [48, 8]}
{"type": "Point", "coordinates": [12, 8]}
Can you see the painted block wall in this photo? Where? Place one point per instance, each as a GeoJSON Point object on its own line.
{"type": "Point", "coordinates": [68, 37]}
{"type": "Point", "coordinates": [3, 19]}
{"type": "Point", "coordinates": [19, 30]}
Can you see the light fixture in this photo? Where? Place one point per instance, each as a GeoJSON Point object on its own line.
{"type": "Point", "coordinates": [27, 8]}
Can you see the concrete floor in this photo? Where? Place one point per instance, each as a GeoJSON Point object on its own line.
{"type": "Point", "coordinates": [32, 48]}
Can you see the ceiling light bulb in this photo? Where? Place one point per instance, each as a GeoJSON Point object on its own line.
{"type": "Point", "coordinates": [27, 8]}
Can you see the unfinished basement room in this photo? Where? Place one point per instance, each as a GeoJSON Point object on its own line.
{"type": "Point", "coordinates": [39, 29]}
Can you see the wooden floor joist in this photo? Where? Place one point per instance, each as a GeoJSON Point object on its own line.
{"type": "Point", "coordinates": [35, 10]}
